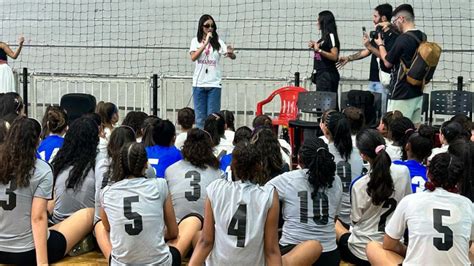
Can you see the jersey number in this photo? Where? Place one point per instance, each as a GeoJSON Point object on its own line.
{"type": "Point", "coordinates": [137, 226]}
{"type": "Point", "coordinates": [238, 225]}
{"type": "Point", "coordinates": [446, 231]}
{"type": "Point", "coordinates": [343, 170]}
{"type": "Point", "coordinates": [196, 193]}
{"type": "Point", "coordinates": [320, 207]}
{"type": "Point", "coordinates": [391, 204]}
{"type": "Point", "coordinates": [9, 204]}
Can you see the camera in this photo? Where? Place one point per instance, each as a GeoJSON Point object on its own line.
{"type": "Point", "coordinates": [375, 33]}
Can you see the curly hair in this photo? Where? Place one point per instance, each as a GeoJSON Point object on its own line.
{"type": "Point", "coordinates": [421, 143]}
{"type": "Point", "coordinates": [340, 132]}
{"type": "Point", "coordinates": [445, 170]}
{"type": "Point", "coordinates": [315, 156]}
{"type": "Point", "coordinates": [246, 164]}
{"type": "Point", "coordinates": [215, 126]}
{"type": "Point", "coordinates": [380, 187]}
{"type": "Point", "coordinates": [131, 161]}
{"type": "Point", "coordinates": [186, 118]}
{"type": "Point", "coordinates": [55, 121]}
{"type": "Point", "coordinates": [18, 152]}
{"type": "Point", "coordinates": [356, 119]}
{"type": "Point", "coordinates": [3, 130]}
{"type": "Point", "coordinates": [197, 149]}
{"type": "Point", "coordinates": [268, 147]}
{"type": "Point", "coordinates": [135, 119]}
{"type": "Point", "coordinates": [242, 133]}
{"type": "Point", "coordinates": [11, 106]}
{"type": "Point", "coordinates": [79, 151]}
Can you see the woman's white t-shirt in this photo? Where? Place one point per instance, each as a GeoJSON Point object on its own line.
{"type": "Point", "coordinates": [208, 71]}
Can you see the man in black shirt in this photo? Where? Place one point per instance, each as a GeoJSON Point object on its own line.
{"type": "Point", "coordinates": [404, 97]}
{"type": "Point", "coordinates": [382, 15]}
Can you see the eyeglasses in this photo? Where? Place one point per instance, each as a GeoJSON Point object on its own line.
{"type": "Point", "coordinates": [395, 19]}
{"type": "Point", "coordinates": [208, 26]}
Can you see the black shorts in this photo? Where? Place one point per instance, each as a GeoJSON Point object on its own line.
{"type": "Point", "coordinates": [330, 258]}
{"type": "Point", "coordinates": [56, 250]}
{"type": "Point", "coordinates": [327, 80]}
{"type": "Point", "coordinates": [346, 254]}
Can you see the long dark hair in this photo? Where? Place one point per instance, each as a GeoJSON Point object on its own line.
{"type": "Point", "coordinates": [315, 156]}
{"type": "Point", "coordinates": [200, 33]}
{"type": "Point", "coordinates": [267, 145]}
{"type": "Point", "coordinates": [398, 130]}
{"type": "Point", "coordinates": [197, 149]}
{"type": "Point", "coordinates": [18, 152]}
{"type": "Point", "coordinates": [147, 130]}
{"type": "Point", "coordinates": [215, 125]}
{"type": "Point", "coordinates": [131, 161]}
{"type": "Point", "coordinates": [11, 105]}
{"type": "Point", "coordinates": [229, 119]}
{"type": "Point", "coordinates": [163, 133]}
{"type": "Point", "coordinates": [340, 131]}
{"type": "Point", "coordinates": [327, 23]}
{"type": "Point", "coordinates": [380, 186]}
{"type": "Point", "coordinates": [135, 119]}
{"type": "Point", "coordinates": [79, 151]}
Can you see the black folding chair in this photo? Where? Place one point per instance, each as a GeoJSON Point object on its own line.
{"type": "Point", "coordinates": [311, 102]}
{"type": "Point", "coordinates": [369, 102]}
{"type": "Point", "coordinates": [448, 102]}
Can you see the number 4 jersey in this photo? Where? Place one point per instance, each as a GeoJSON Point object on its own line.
{"type": "Point", "coordinates": [440, 226]}
{"type": "Point", "coordinates": [240, 211]}
{"type": "Point", "coordinates": [134, 208]}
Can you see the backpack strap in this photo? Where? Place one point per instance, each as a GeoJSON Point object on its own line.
{"type": "Point", "coordinates": [418, 41]}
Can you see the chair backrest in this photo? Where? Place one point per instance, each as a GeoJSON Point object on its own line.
{"type": "Point", "coordinates": [364, 100]}
{"type": "Point", "coordinates": [316, 101]}
{"type": "Point", "coordinates": [448, 102]}
{"type": "Point", "coordinates": [288, 97]}
{"type": "Point", "coordinates": [77, 104]}
{"type": "Point", "coordinates": [425, 106]}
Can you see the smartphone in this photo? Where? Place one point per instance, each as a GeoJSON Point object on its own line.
{"type": "Point", "coordinates": [364, 31]}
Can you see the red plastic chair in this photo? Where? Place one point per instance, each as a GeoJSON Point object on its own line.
{"type": "Point", "coordinates": [288, 110]}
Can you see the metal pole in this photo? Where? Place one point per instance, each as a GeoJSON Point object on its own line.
{"type": "Point", "coordinates": [297, 79]}
{"type": "Point", "coordinates": [460, 82]}
{"type": "Point", "coordinates": [155, 95]}
{"type": "Point", "coordinates": [25, 89]}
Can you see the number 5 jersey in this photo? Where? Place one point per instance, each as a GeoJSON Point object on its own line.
{"type": "Point", "coordinates": [134, 208]}
{"type": "Point", "coordinates": [240, 211]}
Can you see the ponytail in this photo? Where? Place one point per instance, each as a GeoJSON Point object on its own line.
{"type": "Point", "coordinates": [340, 131]}
{"type": "Point", "coordinates": [320, 163]}
{"type": "Point", "coordinates": [380, 186]}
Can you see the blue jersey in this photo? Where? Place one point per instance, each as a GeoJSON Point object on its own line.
{"type": "Point", "coordinates": [417, 174]}
{"type": "Point", "coordinates": [49, 147]}
{"type": "Point", "coordinates": [160, 157]}
{"type": "Point", "coordinates": [225, 162]}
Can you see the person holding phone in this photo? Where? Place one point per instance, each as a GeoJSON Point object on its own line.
{"type": "Point", "coordinates": [381, 18]}
{"type": "Point", "coordinates": [206, 50]}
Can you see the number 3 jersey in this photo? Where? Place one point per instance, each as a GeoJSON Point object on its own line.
{"type": "Point", "coordinates": [440, 226]}
{"type": "Point", "coordinates": [187, 184]}
{"type": "Point", "coordinates": [16, 234]}
{"type": "Point", "coordinates": [240, 211]}
{"type": "Point", "coordinates": [307, 215]}
{"type": "Point", "coordinates": [369, 220]}
{"type": "Point", "coordinates": [134, 208]}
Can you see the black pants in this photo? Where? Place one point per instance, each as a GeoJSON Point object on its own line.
{"type": "Point", "coordinates": [328, 80]}
{"type": "Point", "coordinates": [346, 253]}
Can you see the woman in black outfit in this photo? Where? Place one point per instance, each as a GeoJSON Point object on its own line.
{"type": "Point", "coordinates": [326, 53]}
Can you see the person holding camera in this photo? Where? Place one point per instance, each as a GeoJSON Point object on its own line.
{"type": "Point", "coordinates": [379, 76]}
{"type": "Point", "coordinates": [405, 97]}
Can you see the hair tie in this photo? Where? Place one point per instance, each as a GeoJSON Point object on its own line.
{"type": "Point", "coordinates": [210, 137]}
{"type": "Point", "coordinates": [431, 186]}
{"type": "Point", "coordinates": [129, 127]}
{"type": "Point", "coordinates": [409, 130]}
{"type": "Point", "coordinates": [128, 157]}
{"type": "Point", "coordinates": [320, 148]}
{"type": "Point", "coordinates": [379, 148]}
{"type": "Point", "coordinates": [216, 116]}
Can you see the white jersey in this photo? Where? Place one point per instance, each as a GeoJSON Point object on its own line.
{"type": "Point", "coordinates": [187, 184]}
{"type": "Point", "coordinates": [224, 147]}
{"type": "Point", "coordinates": [395, 152]}
{"type": "Point", "coordinates": [134, 208]}
{"type": "Point", "coordinates": [67, 201]}
{"type": "Point", "coordinates": [101, 168]}
{"type": "Point", "coordinates": [440, 226]}
{"type": "Point", "coordinates": [348, 171]}
{"type": "Point", "coordinates": [240, 211]}
{"type": "Point", "coordinates": [436, 151]}
{"type": "Point", "coordinates": [16, 234]}
{"type": "Point", "coordinates": [307, 215]}
{"type": "Point", "coordinates": [369, 220]}
{"type": "Point", "coordinates": [180, 139]}
{"type": "Point", "coordinates": [208, 72]}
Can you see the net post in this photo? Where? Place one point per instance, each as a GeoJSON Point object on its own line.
{"type": "Point", "coordinates": [297, 79]}
{"type": "Point", "coordinates": [155, 94]}
{"type": "Point", "coordinates": [25, 90]}
{"type": "Point", "coordinates": [460, 82]}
